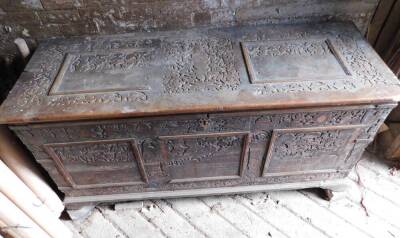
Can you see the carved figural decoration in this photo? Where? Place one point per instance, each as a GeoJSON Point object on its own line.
{"type": "Point", "coordinates": [294, 60]}
{"type": "Point", "coordinates": [201, 111]}
{"type": "Point", "coordinates": [103, 72]}
{"type": "Point", "coordinates": [299, 149]}
{"type": "Point", "coordinates": [99, 157]}
{"type": "Point", "coordinates": [258, 63]}
{"type": "Point", "coordinates": [188, 158]}
{"type": "Point", "coordinates": [216, 71]}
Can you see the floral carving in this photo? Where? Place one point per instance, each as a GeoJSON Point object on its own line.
{"type": "Point", "coordinates": [183, 153]}
{"type": "Point", "coordinates": [302, 119]}
{"type": "Point", "coordinates": [289, 48]}
{"type": "Point", "coordinates": [106, 98]}
{"type": "Point", "coordinates": [261, 136]}
{"type": "Point", "coordinates": [200, 149]}
{"type": "Point", "coordinates": [300, 145]}
{"type": "Point", "coordinates": [352, 52]}
{"type": "Point", "coordinates": [305, 177]}
{"type": "Point", "coordinates": [95, 153]}
{"type": "Point", "coordinates": [216, 72]}
{"type": "Point", "coordinates": [200, 63]}
{"type": "Point", "coordinates": [35, 85]}
{"type": "Point", "coordinates": [108, 62]}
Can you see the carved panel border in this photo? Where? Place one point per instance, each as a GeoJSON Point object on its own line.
{"type": "Point", "coordinates": [334, 50]}
{"type": "Point", "coordinates": [276, 132]}
{"type": "Point", "coordinates": [49, 148]}
{"type": "Point", "coordinates": [243, 154]}
{"type": "Point", "coordinates": [66, 63]}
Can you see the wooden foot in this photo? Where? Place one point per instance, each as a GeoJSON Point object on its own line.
{"type": "Point", "coordinates": [336, 192]}
{"type": "Point", "coordinates": [81, 213]}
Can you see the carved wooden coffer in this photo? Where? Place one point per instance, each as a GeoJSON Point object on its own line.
{"type": "Point", "coordinates": [196, 112]}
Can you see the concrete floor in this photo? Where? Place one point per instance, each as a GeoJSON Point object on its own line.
{"type": "Point", "coordinates": [273, 214]}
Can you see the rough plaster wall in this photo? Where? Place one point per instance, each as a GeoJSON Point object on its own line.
{"type": "Point", "coordinates": [38, 19]}
{"type": "Point", "coordinates": [47, 18]}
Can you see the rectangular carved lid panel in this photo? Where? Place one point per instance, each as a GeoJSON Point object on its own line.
{"type": "Point", "coordinates": [98, 72]}
{"type": "Point", "coordinates": [201, 70]}
{"type": "Point", "coordinates": [293, 60]}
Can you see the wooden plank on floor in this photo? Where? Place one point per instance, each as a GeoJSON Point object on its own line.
{"type": "Point", "coordinates": [354, 214]}
{"type": "Point", "coordinates": [75, 232]}
{"type": "Point", "coordinates": [279, 214]}
{"type": "Point", "coordinates": [244, 219]}
{"type": "Point", "coordinates": [378, 184]}
{"type": "Point", "coordinates": [382, 167]}
{"type": "Point", "coordinates": [132, 224]}
{"type": "Point", "coordinates": [331, 224]}
{"type": "Point", "coordinates": [170, 222]}
{"type": "Point", "coordinates": [280, 217]}
{"type": "Point", "coordinates": [204, 219]}
{"type": "Point", "coordinates": [376, 205]}
{"type": "Point", "coordinates": [96, 226]}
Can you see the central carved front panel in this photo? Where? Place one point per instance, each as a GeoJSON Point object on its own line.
{"type": "Point", "coordinates": [204, 157]}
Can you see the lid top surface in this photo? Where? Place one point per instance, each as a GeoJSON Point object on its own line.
{"type": "Point", "coordinates": [201, 70]}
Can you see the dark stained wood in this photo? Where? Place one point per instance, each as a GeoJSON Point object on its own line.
{"type": "Point", "coordinates": [394, 62]}
{"type": "Point", "coordinates": [384, 35]}
{"type": "Point", "coordinates": [378, 20]}
{"type": "Point", "coordinates": [387, 36]}
{"type": "Point", "coordinates": [202, 70]}
{"type": "Point", "coordinates": [198, 151]}
{"type": "Point", "coordinates": [202, 111]}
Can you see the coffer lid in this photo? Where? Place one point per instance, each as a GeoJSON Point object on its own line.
{"type": "Point", "coordinates": [201, 70]}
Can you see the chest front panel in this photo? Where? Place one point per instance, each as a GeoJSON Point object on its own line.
{"type": "Point", "coordinates": [202, 150]}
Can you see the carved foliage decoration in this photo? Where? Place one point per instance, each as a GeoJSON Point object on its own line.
{"type": "Point", "coordinates": [351, 53]}
{"type": "Point", "coordinates": [206, 156]}
{"type": "Point", "coordinates": [93, 153]}
{"type": "Point", "coordinates": [301, 119]}
{"type": "Point", "coordinates": [195, 142]}
{"type": "Point", "coordinates": [293, 60]}
{"type": "Point", "coordinates": [200, 65]}
{"type": "Point", "coordinates": [199, 149]}
{"type": "Point", "coordinates": [307, 149]}
{"type": "Point", "coordinates": [98, 163]}
{"type": "Point", "coordinates": [109, 62]}
{"type": "Point", "coordinates": [191, 65]}
{"type": "Point", "coordinates": [288, 48]}
{"type": "Point", "coordinates": [298, 145]}
{"type": "Point", "coordinates": [306, 177]}
{"type": "Point", "coordinates": [37, 81]}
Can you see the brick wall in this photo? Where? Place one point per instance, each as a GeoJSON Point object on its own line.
{"type": "Point", "coordinates": [46, 18]}
{"type": "Point", "coordinates": [38, 19]}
